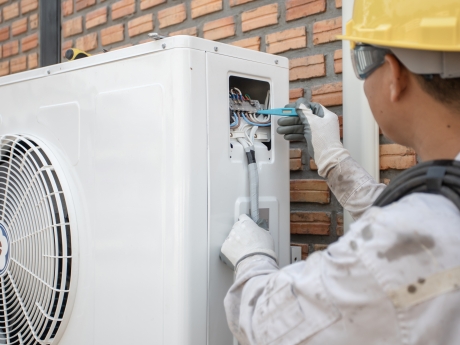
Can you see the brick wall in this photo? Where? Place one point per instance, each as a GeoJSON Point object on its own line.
{"type": "Point", "coordinates": [302, 30]}
{"type": "Point", "coordinates": [18, 35]}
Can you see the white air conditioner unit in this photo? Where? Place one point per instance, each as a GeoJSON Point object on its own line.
{"type": "Point", "coordinates": [119, 180]}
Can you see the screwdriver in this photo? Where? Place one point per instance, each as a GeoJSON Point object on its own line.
{"type": "Point", "coordinates": [279, 112]}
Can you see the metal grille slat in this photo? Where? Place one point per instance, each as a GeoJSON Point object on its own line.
{"type": "Point", "coordinates": [35, 244]}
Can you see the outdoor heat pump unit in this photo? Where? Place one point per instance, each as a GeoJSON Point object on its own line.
{"type": "Point", "coordinates": [120, 177]}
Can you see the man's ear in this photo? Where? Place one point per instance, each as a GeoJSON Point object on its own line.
{"type": "Point", "coordinates": [398, 77]}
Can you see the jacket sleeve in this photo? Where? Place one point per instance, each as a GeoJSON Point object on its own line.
{"type": "Point", "coordinates": [266, 305]}
{"type": "Point", "coordinates": [326, 299]}
{"type": "Point", "coordinates": [353, 187]}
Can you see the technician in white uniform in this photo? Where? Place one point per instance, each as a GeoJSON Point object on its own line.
{"type": "Point", "coordinates": [394, 278]}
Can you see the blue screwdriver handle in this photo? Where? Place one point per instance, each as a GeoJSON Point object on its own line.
{"type": "Point", "coordinates": [279, 112]}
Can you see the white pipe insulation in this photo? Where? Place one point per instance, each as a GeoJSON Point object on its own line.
{"type": "Point", "coordinates": [360, 131]}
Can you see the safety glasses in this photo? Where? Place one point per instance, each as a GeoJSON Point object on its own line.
{"type": "Point", "coordinates": [366, 59]}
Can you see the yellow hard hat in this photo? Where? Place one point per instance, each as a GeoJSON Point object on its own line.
{"type": "Point", "coordinates": [410, 24]}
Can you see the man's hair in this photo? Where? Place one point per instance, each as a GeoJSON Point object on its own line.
{"type": "Point", "coordinates": [446, 91]}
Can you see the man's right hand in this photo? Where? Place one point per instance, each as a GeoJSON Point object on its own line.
{"type": "Point", "coordinates": [320, 128]}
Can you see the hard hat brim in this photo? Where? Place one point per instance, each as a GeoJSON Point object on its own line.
{"type": "Point", "coordinates": [396, 44]}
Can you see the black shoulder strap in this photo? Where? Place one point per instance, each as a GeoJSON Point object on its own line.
{"type": "Point", "coordinates": [436, 177]}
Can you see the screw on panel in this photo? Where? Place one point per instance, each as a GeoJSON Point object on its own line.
{"type": "Point", "coordinates": [49, 72]}
{"type": "Point", "coordinates": [155, 36]}
{"type": "Point", "coordinates": [216, 49]}
{"type": "Point", "coordinates": [276, 61]}
{"type": "Point", "coordinates": [163, 46]}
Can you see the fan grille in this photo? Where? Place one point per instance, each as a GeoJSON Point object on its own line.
{"type": "Point", "coordinates": [35, 244]}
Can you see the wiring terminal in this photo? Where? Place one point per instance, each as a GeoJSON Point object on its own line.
{"type": "Point", "coordinates": [243, 115]}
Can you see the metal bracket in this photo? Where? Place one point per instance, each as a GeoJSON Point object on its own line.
{"type": "Point", "coordinates": [155, 36]}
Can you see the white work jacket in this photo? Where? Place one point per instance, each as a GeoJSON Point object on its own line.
{"type": "Point", "coordinates": [394, 278]}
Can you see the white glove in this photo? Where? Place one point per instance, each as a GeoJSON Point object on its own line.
{"type": "Point", "coordinates": [321, 131]}
{"type": "Point", "coordinates": [325, 138]}
{"type": "Point", "coordinates": [246, 239]}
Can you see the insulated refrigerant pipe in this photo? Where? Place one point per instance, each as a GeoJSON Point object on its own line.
{"type": "Point", "coordinates": [253, 182]}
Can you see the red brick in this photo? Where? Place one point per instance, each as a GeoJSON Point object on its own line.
{"type": "Point", "coordinates": [395, 149]}
{"type": "Point", "coordinates": [328, 94]}
{"type": "Point", "coordinates": [338, 3]}
{"type": "Point", "coordinates": [295, 164]}
{"type": "Point", "coordinates": [315, 185]}
{"type": "Point", "coordinates": [220, 28]}
{"type": "Point", "coordinates": [172, 15]}
{"type": "Point", "coordinates": [4, 68]}
{"type": "Point", "coordinates": [123, 8]}
{"type": "Point", "coordinates": [296, 9]}
{"type": "Point", "coordinates": [259, 17]}
{"type": "Point", "coordinates": [145, 4]}
{"type": "Point", "coordinates": [67, 8]}
{"type": "Point", "coordinates": [295, 153]}
{"type": "Point", "coordinates": [97, 17]}
{"type": "Point", "coordinates": [19, 27]}
{"type": "Point", "coordinates": [82, 4]}
{"type": "Point", "coordinates": [317, 197]}
{"type": "Point", "coordinates": [394, 156]}
{"type": "Point", "coordinates": [313, 165]}
{"type": "Point", "coordinates": [310, 223]}
{"type": "Point", "coordinates": [28, 6]}
{"type": "Point", "coordinates": [248, 43]}
{"type": "Point", "coordinates": [338, 61]}
{"type": "Point", "coordinates": [65, 46]}
{"type": "Point", "coordinates": [340, 117]}
{"type": "Point", "coordinates": [32, 60]}
{"type": "Point", "coordinates": [304, 248]}
{"type": "Point", "coordinates": [10, 49]}
{"type": "Point", "coordinates": [18, 64]}
{"type": "Point", "coordinates": [385, 181]}
{"type": "Point", "coordinates": [140, 25]}
{"type": "Point", "coordinates": [315, 191]}
{"type": "Point", "coordinates": [295, 161]}
{"type": "Point", "coordinates": [4, 33]}
{"type": "Point", "coordinates": [33, 21]}
{"type": "Point", "coordinates": [72, 27]}
{"type": "Point", "coordinates": [339, 227]}
{"type": "Point", "coordinates": [238, 2]}
{"type": "Point", "coordinates": [203, 7]}
{"type": "Point", "coordinates": [295, 94]}
{"type": "Point", "coordinates": [320, 247]}
{"type": "Point", "coordinates": [112, 34]}
{"type": "Point", "coordinates": [307, 67]}
{"type": "Point", "coordinates": [188, 32]}
{"type": "Point", "coordinates": [87, 42]}
{"type": "Point", "coordinates": [11, 11]}
{"type": "Point", "coordinates": [282, 41]}
{"type": "Point", "coordinates": [29, 42]}
{"type": "Point", "coordinates": [327, 30]}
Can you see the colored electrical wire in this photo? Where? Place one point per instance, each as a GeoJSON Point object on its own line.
{"type": "Point", "coordinates": [255, 124]}
{"type": "Point", "coordinates": [235, 123]}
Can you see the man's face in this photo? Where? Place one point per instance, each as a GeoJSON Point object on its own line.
{"type": "Point", "coordinates": [388, 113]}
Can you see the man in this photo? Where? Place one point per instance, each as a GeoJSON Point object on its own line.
{"type": "Point", "coordinates": [394, 278]}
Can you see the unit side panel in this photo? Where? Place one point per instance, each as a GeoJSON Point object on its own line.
{"type": "Point", "coordinates": [228, 177]}
{"type": "Point", "coordinates": [185, 202]}
{"type": "Point", "coordinates": [132, 146]}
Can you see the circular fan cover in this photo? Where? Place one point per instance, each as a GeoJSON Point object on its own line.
{"type": "Point", "coordinates": [35, 244]}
